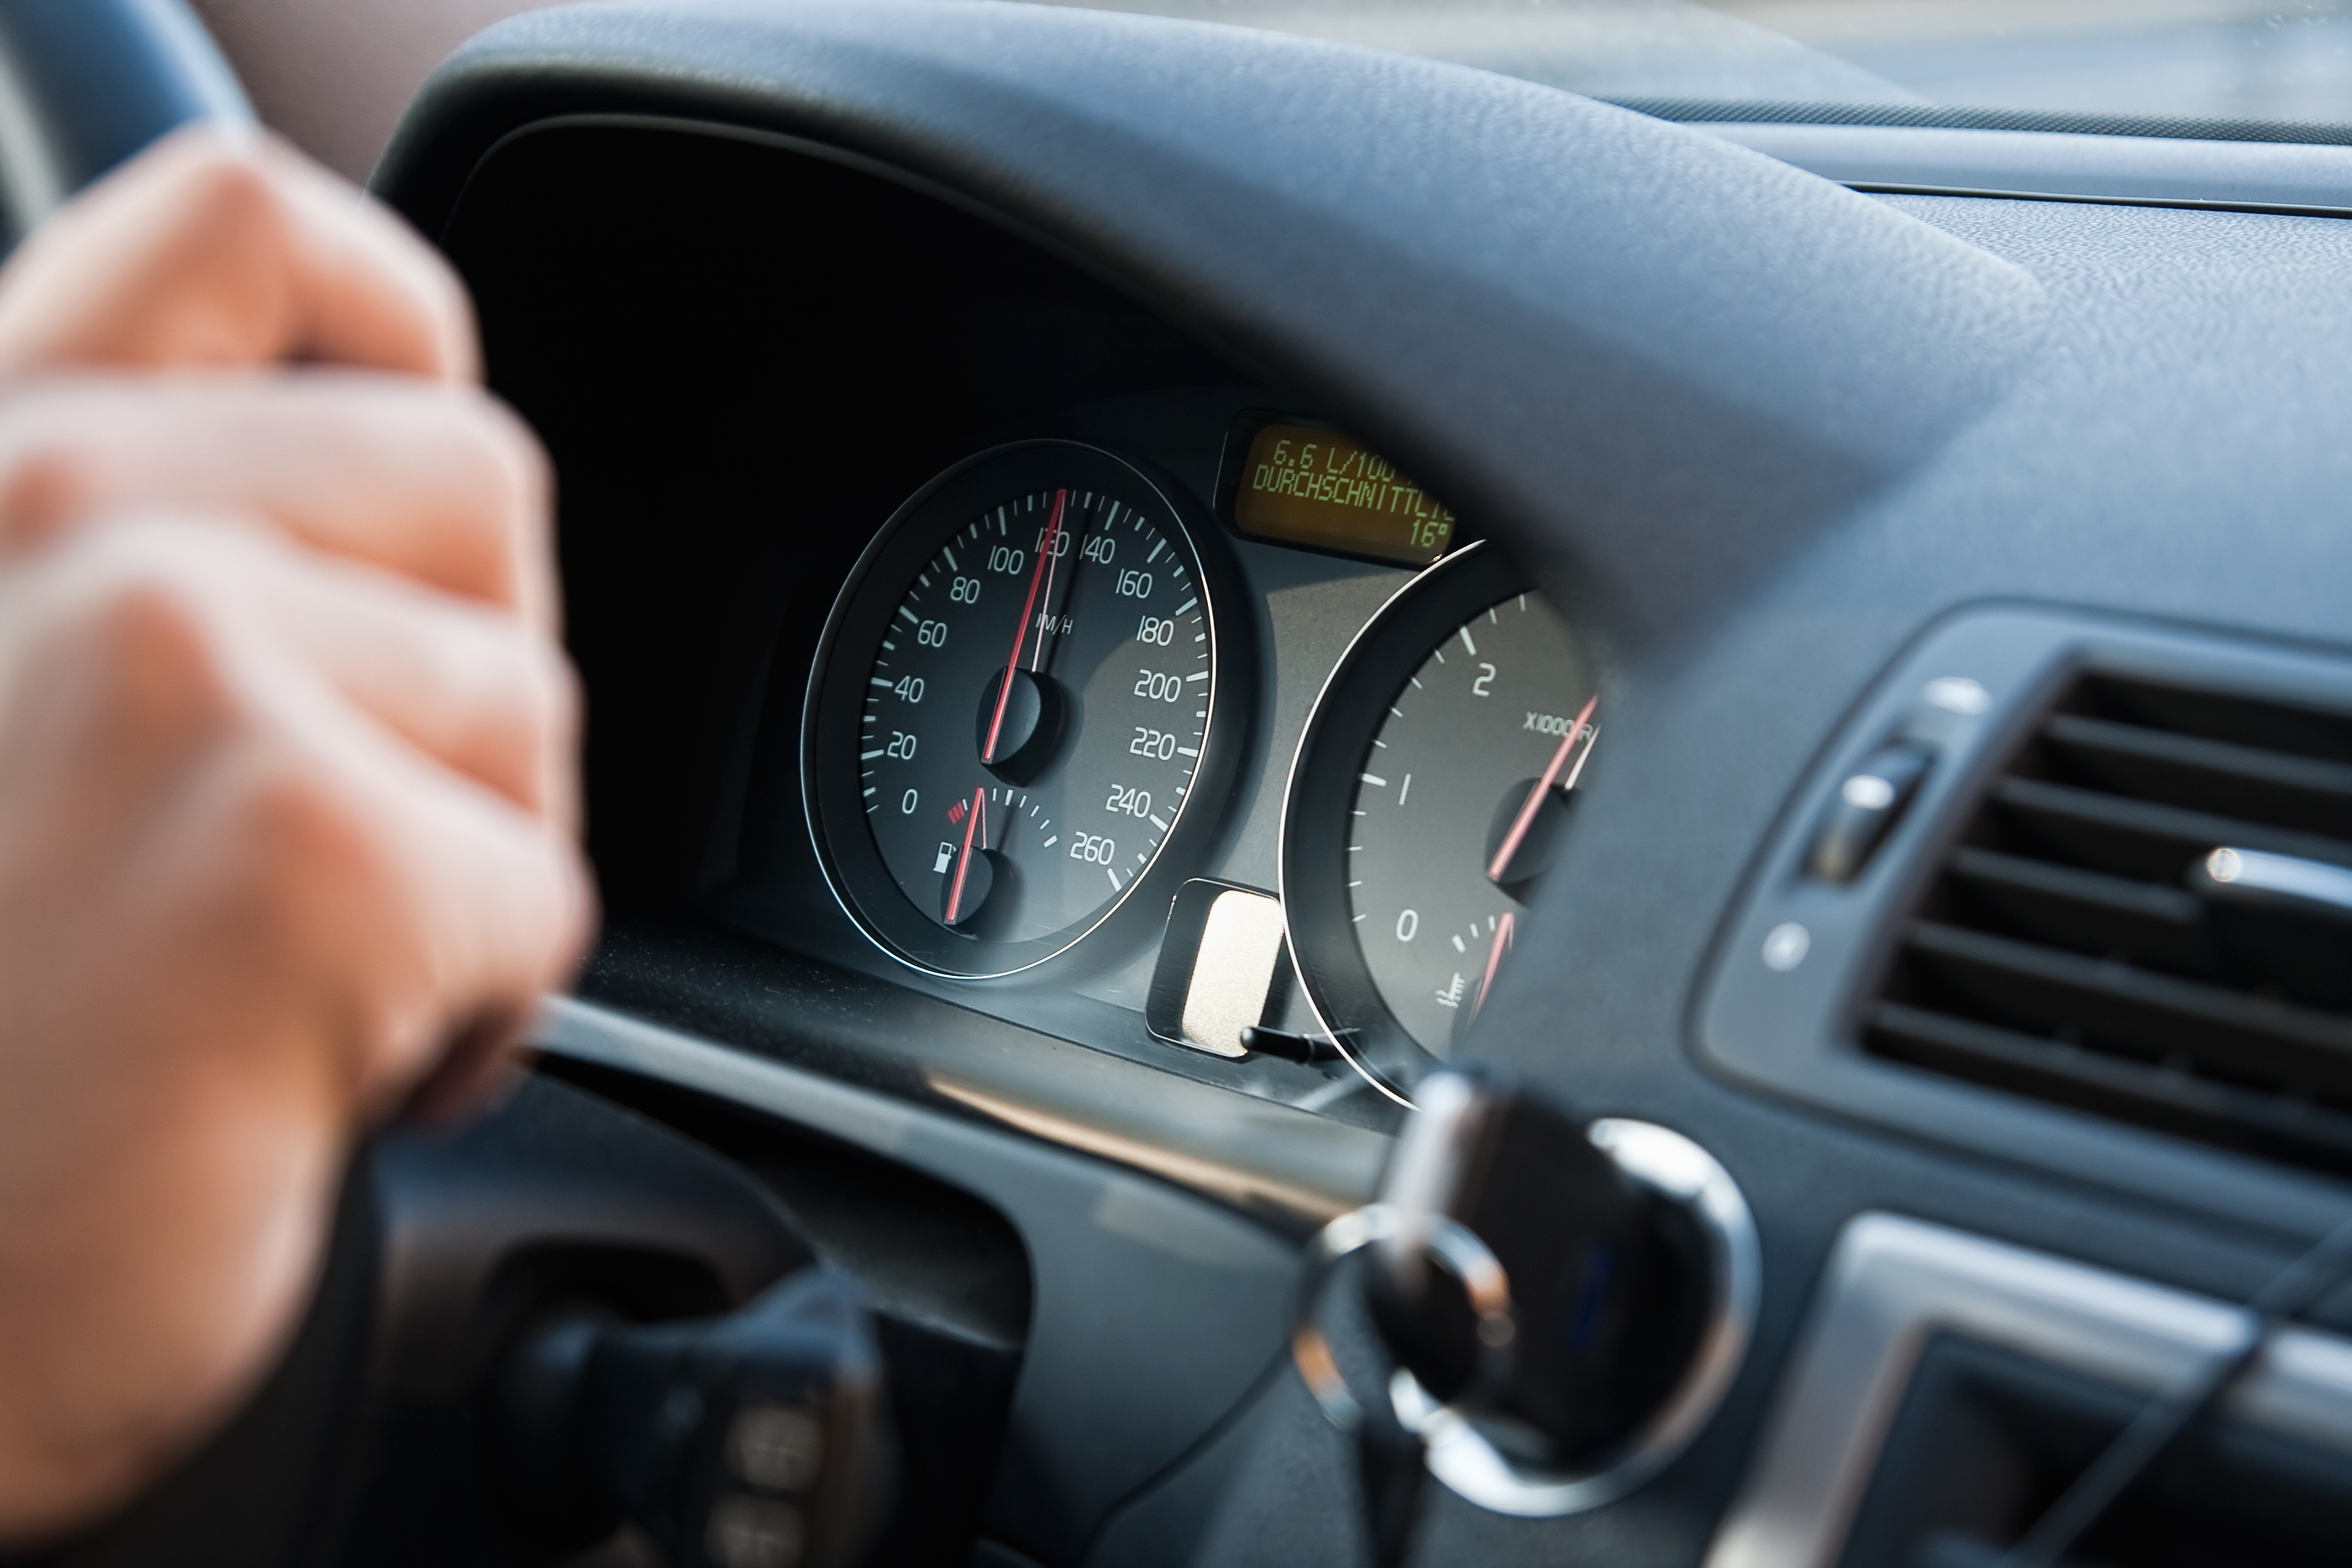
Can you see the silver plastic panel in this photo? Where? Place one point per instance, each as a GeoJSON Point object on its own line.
{"type": "Point", "coordinates": [1233, 975]}
{"type": "Point", "coordinates": [1893, 1282]}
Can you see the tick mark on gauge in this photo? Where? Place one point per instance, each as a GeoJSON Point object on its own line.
{"type": "Point", "coordinates": [1198, 675]}
{"type": "Point", "coordinates": [1157, 547]}
{"type": "Point", "coordinates": [1459, 945]}
{"type": "Point", "coordinates": [1186, 751]}
{"type": "Point", "coordinates": [1466, 642]}
{"type": "Point", "coordinates": [1113, 875]}
{"type": "Point", "coordinates": [1183, 607]}
{"type": "Point", "coordinates": [878, 681]}
{"type": "Point", "coordinates": [1404, 790]}
{"type": "Point", "coordinates": [951, 559]}
{"type": "Point", "coordinates": [1156, 823]}
{"type": "Point", "coordinates": [870, 755]}
{"type": "Point", "coordinates": [1049, 844]}
{"type": "Point", "coordinates": [912, 618]}
{"type": "Point", "coordinates": [1374, 779]}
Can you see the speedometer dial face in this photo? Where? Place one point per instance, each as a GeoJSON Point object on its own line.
{"type": "Point", "coordinates": [1430, 797]}
{"type": "Point", "coordinates": [1016, 706]}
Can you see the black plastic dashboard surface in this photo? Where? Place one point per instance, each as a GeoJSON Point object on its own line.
{"type": "Point", "coordinates": [1754, 432]}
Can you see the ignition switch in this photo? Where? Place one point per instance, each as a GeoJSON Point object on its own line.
{"type": "Point", "coordinates": [1558, 1306]}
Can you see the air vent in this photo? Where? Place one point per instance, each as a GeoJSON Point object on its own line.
{"type": "Point", "coordinates": [2085, 942]}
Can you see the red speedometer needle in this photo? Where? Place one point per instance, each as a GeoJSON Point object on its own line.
{"type": "Point", "coordinates": [964, 861]}
{"type": "Point", "coordinates": [1021, 628]}
{"type": "Point", "coordinates": [1536, 796]}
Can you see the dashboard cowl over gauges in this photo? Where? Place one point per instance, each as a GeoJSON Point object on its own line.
{"type": "Point", "coordinates": [1650, 415]}
{"type": "Point", "coordinates": [1017, 702]}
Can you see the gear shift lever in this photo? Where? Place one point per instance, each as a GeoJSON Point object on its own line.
{"type": "Point", "coordinates": [1559, 1305]}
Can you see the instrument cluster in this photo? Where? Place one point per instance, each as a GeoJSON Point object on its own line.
{"type": "Point", "coordinates": [1034, 696]}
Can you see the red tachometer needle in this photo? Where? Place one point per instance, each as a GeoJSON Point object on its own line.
{"type": "Point", "coordinates": [964, 861]}
{"type": "Point", "coordinates": [1037, 576]}
{"type": "Point", "coordinates": [1536, 796]}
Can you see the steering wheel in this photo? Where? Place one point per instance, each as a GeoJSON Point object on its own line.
{"type": "Point", "coordinates": [443, 1246]}
{"type": "Point", "coordinates": [84, 84]}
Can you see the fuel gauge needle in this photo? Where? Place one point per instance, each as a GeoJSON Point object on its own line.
{"type": "Point", "coordinates": [964, 861]}
{"type": "Point", "coordinates": [1534, 802]}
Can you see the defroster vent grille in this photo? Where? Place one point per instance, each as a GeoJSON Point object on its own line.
{"type": "Point", "coordinates": [2079, 947]}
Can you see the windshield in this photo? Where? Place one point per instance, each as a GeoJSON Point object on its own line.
{"type": "Point", "coordinates": [2214, 68]}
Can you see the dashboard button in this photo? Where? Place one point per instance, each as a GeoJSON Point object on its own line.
{"type": "Point", "coordinates": [1867, 805]}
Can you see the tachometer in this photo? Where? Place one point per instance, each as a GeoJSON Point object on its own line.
{"type": "Point", "coordinates": [1428, 797]}
{"type": "Point", "coordinates": [1016, 702]}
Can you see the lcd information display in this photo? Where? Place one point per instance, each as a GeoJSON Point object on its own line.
{"type": "Point", "coordinates": [1303, 485]}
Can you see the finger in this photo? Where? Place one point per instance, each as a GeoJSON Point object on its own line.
{"type": "Point", "coordinates": [474, 690]}
{"type": "Point", "coordinates": [498, 905]}
{"type": "Point", "coordinates": [436, 483]}
{"type": "Point", "coordinates": [411, 902]}
{"type": "Point", "coordinates": [481, 1063]}
{"type": "Point", "coordinates": [226, 248]}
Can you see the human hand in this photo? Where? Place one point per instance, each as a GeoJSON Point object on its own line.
{"type": "Point", "coordinates": [287, 777]}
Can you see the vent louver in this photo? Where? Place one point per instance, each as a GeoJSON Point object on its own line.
{"type": "Point", "coordinates": [2075, 948]}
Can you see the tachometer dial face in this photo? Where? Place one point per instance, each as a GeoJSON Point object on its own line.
{"type": "Point", "coordinates": [1014, 709]}
{"type": "Point", "coordinates": [1430, 797]}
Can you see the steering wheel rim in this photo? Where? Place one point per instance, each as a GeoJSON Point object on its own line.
{"type": "Point", "coordinates": [85, 84]}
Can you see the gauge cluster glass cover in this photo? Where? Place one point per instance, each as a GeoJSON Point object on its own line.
{"type": "Point", "coordinates": [1431, 793]}
{"type": "Point", "coordinates": [1017, 699]}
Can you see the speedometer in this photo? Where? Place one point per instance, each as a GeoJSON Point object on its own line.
{"type": "Point", "coordinates": [1430, 796]}
{"type": "Point", "coordinates": [1017, 703]}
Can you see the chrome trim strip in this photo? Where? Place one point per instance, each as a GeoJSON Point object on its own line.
{"type": "Point", "coordinates": [2261, 176]}
{"type": "Point", "coordinates": [1892, 1282]}
{"type": "Point", "coordinates": [1279, 1164]}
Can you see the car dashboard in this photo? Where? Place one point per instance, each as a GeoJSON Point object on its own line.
{"type": "Point", "coordinates": [1049, 762]}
